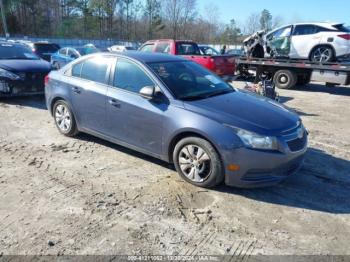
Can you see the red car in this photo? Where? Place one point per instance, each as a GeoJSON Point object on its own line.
{"type": "Point", "coordinates": [222, 65]}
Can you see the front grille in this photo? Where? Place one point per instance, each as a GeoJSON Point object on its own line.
{"type": "Point", "coordinates": [298, 143]}
{"type": "Point", "coordinates": [30, 83]}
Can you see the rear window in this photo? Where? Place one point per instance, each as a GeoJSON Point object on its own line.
{"type": "Point", "coordinates": [9, 51]}
{"type": "Point", "coordinates": [342, 28]}
{"type": "Point", "coordinates": [49, 48]}
{"type": "Point", "coordinates": [187, 49]}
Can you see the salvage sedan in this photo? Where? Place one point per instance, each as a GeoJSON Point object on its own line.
{"type": "Point", "coordinates": [178, 111]}
{"type": "Point", "coordinates": [21, 71]}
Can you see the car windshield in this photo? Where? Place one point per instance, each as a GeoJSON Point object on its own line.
{"type": "Point", "coordinates": [9, 51]}
{"type": "Point", "coordinates": [190, 81]}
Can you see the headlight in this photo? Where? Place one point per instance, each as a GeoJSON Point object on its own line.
{"type": "Point", "coordinates": [253, 140]}
{"type": "Point", "coordinates": [8, 74]}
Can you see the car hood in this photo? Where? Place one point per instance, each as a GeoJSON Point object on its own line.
{"type": "Point", "coordinates": [30, 66]}
{"type": "Point", "coordinates": [250, 112]}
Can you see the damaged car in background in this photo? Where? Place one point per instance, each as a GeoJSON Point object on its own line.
{"type": "Point", "coordinates": [22, 72]}
{"type": "Point", "coordinates": [317, 42]}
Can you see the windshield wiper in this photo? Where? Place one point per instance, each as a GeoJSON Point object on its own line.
{"type": "Point", "coordinates": [219, 92]}
{"type": "Point", "coordinates": [207, 95]}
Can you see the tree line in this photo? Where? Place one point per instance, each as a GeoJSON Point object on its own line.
{"type": "Point", "coordinates": [131, 20]}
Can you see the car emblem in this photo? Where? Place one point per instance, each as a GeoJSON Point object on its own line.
{"type": "Point", "coordinates": [300, 133]}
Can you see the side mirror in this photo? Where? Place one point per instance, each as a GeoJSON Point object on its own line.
{"type": "Point", "coordinates": [147, 92]}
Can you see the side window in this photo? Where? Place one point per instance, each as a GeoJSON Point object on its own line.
{"type": "Point", "coordinates": [147, 48]}
{"type": "Point", "coordinates": [95, 69]}
{"type": "Point", "coordinates": [63, 51]}
{"type": "Point", "coordinates": [76, 69]}
{"type": "Point", "coordinates": [130, 76]}
{"type": "Point", "coordinates": [187, 49]}
{"type": "Point", "coordinates": [283, 32]}
{"type": "Point", "coordinates": [163, 48]}
{"type": "Point", "coordinates": [72, 53]}
{"type": "Point", "coordinates": [305, 30]}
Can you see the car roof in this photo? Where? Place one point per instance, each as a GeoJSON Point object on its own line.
{"type": "Point", "coordinates": [328, 25]}
{"type": "Point", "coordinates": [145, 57]}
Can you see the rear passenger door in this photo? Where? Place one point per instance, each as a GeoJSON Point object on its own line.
{"type": "Point", "coordinates": [133, 119]}
{"type": "Point", "coordinates": [304, 38]}
{"type": "Point", "coordinates": [88, 92]}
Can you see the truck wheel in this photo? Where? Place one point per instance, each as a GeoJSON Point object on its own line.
{"type": "Point", "coordinates": [285, 79]}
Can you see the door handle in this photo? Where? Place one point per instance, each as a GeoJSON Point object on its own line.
{"type": "Point", "coordinates": [114, 103]}
{"type": "Point", "coordinates": [76, 90]}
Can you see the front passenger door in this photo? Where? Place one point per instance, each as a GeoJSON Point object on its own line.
{"type": "Point", "coordinates": [133, 119]}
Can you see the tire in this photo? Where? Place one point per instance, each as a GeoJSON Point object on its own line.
{"type": "Point", "coordinates": [322, 54]}
{"type": "Point", "coordinates": [64, 119]}
{"type": "Point", "coordinates": [200, 168]}
{"type": "Point", "coordinates": [285, 79]}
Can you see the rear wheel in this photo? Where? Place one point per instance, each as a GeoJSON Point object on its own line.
{"type": "Point", "coordinates": [64, 118]}
{"type": "Point", "coordinates": [197, 162]}
{"type": "Point", "coordinates": [285, 79]}
{"type": "Point", "coordinates": [322, 54]}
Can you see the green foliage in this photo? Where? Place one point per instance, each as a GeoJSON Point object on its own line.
{"type": "Point", "coordinates": [266, 20]}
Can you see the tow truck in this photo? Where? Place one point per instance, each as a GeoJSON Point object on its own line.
{"type": "Point", "coordinates": [287, 73]}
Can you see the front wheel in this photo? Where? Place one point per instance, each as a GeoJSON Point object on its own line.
{"type": "Point", "coordinates": [322, 54]}
{"type": "Point", "coordinates": [197, 162]}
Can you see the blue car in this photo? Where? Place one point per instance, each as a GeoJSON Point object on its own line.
{"type": "Point", "coordinates": [22, 72]}
{"type": "Point", "coordinates": [176, 110]}
{"type": "Point", "coordinates": [68, 54]}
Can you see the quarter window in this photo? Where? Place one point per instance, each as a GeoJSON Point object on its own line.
{"type": "Point", "coordinates": [76, 70]}
{"type": "Point", "coordinates": [130, 77]}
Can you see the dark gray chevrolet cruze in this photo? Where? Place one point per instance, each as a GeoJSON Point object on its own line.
{"type": "Point", "coordinates": [176, 110]}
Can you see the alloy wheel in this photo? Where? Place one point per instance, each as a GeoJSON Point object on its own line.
{"type": "Point", "coordinates": [322, 54]}
{"type": "Point", "coordinates": [63, 118]}
{"type": "Point", "coordinates": [195, 163]}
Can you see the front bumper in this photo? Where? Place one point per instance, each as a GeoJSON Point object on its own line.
{"type": "Point", "coordinates": [263, 168]}
{"type": "Point", "coordinates": [29, 84]}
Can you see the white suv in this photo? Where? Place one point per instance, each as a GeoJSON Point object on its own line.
{"type": "Point", "coordinates": [318, 42]}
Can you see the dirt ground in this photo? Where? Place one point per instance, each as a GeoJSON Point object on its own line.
{"type": "Point", "coordinates": [83, 195]}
